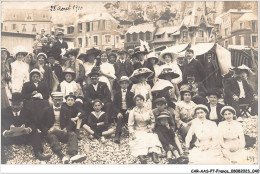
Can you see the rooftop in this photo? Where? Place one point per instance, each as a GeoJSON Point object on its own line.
{"type": "Point", "coordinates": [96, 17]}
{"type": "Point", "coordinates": [141, 28]}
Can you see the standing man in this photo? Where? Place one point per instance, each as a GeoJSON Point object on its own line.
{"type": "Point", "coordinates": [56, 126]}
{"type": "Point", "coordinates": [18, 128]}
{"type": "Point", "coordinates": [193, 66]}
{"type": "Point", "coordinates": [97, 90]}
{"type": "Point", "coordinates": [59, 45]}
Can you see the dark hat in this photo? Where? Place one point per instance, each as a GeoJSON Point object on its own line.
{"type": "Point", "coordinates": [74, 52]}
{"type": "Point", "coordinates": [70, 95]}
{"type": "Point", "coordinates": [168, 72]}
{"type": "Point", "coordinates": [160, 100]}
{"type": "Point", "coordinates": [92, 51]}
{"type": "Point", "coordinates": [139, 50]}
{"type": "Point", "coordinates": [108, 49]}
{"type": "Point", "coordinates": [94, 73]}
{"type": "Point", "coordinates": [190, 50]}
{"type": "Point", "coordinates": [4, 49]}
{"type": "Point", "coordinates": [60, 33]}
{"type": "Point", "coordinates": [142, 72]}
{"type": "Point", "coordinates": [214, 92]}
{"type": "Point", "coordinates": [16, 97]}
{"type": "Point", "coordinates": [82, 56]}
{"type": "Point", "coordinates": [122, 51]}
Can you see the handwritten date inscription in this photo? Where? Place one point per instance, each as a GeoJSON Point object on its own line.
{"type": "Point", "coordinates": [70, 7]}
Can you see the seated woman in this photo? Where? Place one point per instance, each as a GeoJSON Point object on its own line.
{"type": "Point", "coordinates": [141, 123]}
{"type": "Point", "coordinates": [107, 71]}
{"type": "Point", "coordinates": [207, 149]}
{"type": "Point", "coordinates": [231, 134]}
{"type": "Point", "coordinates": [184, 112]}
{"type": "Point", "coordinates": [35, 93]}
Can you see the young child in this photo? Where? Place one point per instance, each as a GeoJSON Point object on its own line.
{"type": "Point", "coordinates": [123, 103]}
{"type": "Point", "coordinates": [98, 122]}
{"type": "Point", "coordinates": [167, 137]}
{"type": "Point", "coordinates": [69, 85]}
{"type": "Point", "coordinates": [76, 113]}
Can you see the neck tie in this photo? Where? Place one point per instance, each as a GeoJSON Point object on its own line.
{"type": "Point", "coordinates": [16, 114]}
{"type": "Point", "coordinates": [57, 109]}
{"type": "Point", "coordinates": [124, 90]}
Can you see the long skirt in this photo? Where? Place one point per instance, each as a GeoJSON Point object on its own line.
{"type": "Point", "coordinates": [210, 156]}
{"type": "Point", "coordinates": [238, 157]}
{"type": "Point", "coordinates": [4, 99]}
{"type": "Point", "coordinates": [145, 143]}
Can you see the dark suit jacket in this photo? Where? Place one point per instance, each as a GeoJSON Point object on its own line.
{"type": "Point", "coordinates": [29, 87]}
{"type": "Point", "coordinates": [58, 71]}
{"type": "Point", "coordinates": [117, 103]}
{"type": "Point", "coordinates": [128, 68]}
{"type": "Point", "coordinates": [102, 93]}
{"type": "Point", "coordinates": [47, 119]}
{"type": "Point", "coordinates": [219, 107]}
{"type": "Point", "coordinates": [196, 68]}
{"type": "Point", "coordinates": [231, 88]}
{"type": "Point", "coordinates": [57, 46]}
{"type": "Point", "coordinates": [9, 119]}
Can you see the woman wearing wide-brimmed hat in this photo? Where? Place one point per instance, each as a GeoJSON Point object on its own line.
{"type": "Point", "coordinates": [152, 61]}
{"type": "Point", "coordinates": [207, 148]}
{"type": "Point", "coordinates": [5, 78]}
{"type": "Point", "coordinates": [75, 64]}
{"type": "Point", "coordinates": [142, 87]}
{"type": "Point", "coordinates": [231, 136]}
{"type": "Point", "coordinates": [185, 111]}
{"type": "Point", "coordinates": [170, 75]}
{"type": "Point", "coordinates": [170, 60]}
{"type": "Point", "coordinates": [90, 61]}
{"type": "Point", "coordinates": [20, 73]}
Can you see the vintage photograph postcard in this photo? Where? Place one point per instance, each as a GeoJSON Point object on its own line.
{"type": "Point", "coordinates": [129, 82]}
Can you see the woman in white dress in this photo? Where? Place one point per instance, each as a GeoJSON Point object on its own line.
{"type": "Point", "coordinates": [207, 148]}
{"type": "Point", "coordinates": [107, 71]}
{"type": "Point", "coordinates": [232, 139]}
{"type": "Point", "coordinates": [142, 87]}
{"type": "Point", "coordinates": [153, 60]}
{"type": "Point", "coordinates": [20, 73]}
{"type": "Point", "coordinates": [141, 124]}
{"type": "Point", "coordinates": [170, 60]}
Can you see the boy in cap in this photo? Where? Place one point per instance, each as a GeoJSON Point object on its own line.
{"type": "Point", "coordinates": [123, 103]}
{"type": "Point", "coordinates": [167, 137]}
{"type": "Point", "coordinates": [18, 128]}
{"type": "Point", "coordinates": [56, 127]}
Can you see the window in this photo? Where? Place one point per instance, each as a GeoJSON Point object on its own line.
{"type": "Point", "coordinates": [29, 16]}
{"type": "Point", "coordinates": [34, 28]}
{"type": "Point", "coordinates": [95, 40]}
{"type": "Point", "coordinates": [70, 30]}
{"type": "Point", "coordinates": [226, 31]}
{"type": "Point", "coordinates": [128, 37]}
{"type": "Point", "coordinates": [226, 43]}
{"type": "Point", "coordinates": [134, 37]}
{"type": "Point", "coordinates": [169, 35]}
{"type": "Point", "coordinates": [24, 27]}
{"type": "Point", "coordinates": [253, 27]}
{"type": "Point", "coordinates": [185, 34]}
{"type": "Point", "coordinates": [80, 28]}
{"type": "Point", "coordinates": [88, 27]}
{"type": "Point", "coordinates": [117, 39]}
{"type": "Point", "coordinates": [108, 39]}
{"type": "Point", "coordinates": [201, 33]}
{"type": "Point", "coordinates": [108, 25]}
{"type": "Point", "coordinates": [159, 36]}
{"type": "Point", "coordinates": [87, 41]}
{"type": "Point", "coordinates": [148, 35]}
{"type": "Point", "coordinates": [141, 36]}
{"type": "Point", "coordinates": [95, 25]}
{"type": "Point", "coordinates": [254, 41]}
{"type": "Point", "coordinates": [242, 40]}
{"type": "Point", "coordinates": [14, 16]}
{"type": "Point", "coordinates": [44, 16]}
{"type": "Point", "coordinates": [79, 42]}
{"type": "Point", "coordinates": [240, 25]}
{"type": "Point", "coordinates": [14, 26]}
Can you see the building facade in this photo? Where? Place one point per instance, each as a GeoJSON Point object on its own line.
{"type": "Point", "coordinates": [238, 27]}
{"type": "Point", "coordinates": [145, 32]}
{"type": "Point", "coordinates": [26, 21]}
{"type": "Point", "coordinates": [95, 30]}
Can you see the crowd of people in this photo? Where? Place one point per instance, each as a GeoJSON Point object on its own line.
{"type": "Point", "coordinates": [55, 93]}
